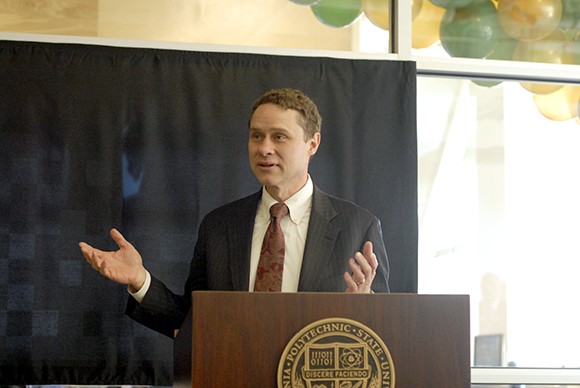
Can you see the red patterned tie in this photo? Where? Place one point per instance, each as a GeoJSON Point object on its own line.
{"type": "Point", "coordinates": [271, 265]}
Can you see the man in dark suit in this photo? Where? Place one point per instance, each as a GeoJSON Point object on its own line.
{"type": "Point", "coordinates": [331, 245]}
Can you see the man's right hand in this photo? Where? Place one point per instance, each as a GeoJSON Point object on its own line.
{"type": "Point", "coordinates": [124, 266]}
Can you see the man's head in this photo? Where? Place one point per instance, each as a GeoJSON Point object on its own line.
{"type": "Point", "coordinates": [284, 135]}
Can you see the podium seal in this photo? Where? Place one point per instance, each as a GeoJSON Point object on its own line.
{"type": "Point", "coordinates": [336, 353]}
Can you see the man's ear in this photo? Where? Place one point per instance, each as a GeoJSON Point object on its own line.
{"type": "Point", "coordinates": [314, 143]}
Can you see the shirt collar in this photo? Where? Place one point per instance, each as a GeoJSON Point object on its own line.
{"type": "Point", "coordinates": [297, 204]}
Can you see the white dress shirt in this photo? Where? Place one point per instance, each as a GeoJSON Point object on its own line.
{"type": "Point", "coordinates": [294, 227]}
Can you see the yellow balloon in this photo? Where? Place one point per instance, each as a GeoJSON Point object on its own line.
{"type": "Point", "coordinates": [425, 27]}
{"type": "Point", "coordinates": [552, 49]}
{"type": "Point", "coordinates": [555, 48]}
{"type": "Point", "coordinates": [379, 11]}
{"type": "Point", "coordinates": [561, 105]}
{"type": "Point", "coordinates": [529, 20]}
{"type": "Point", "coordinates": [416, 8]}
{"type": "Point", "coordinates": [540, 89]}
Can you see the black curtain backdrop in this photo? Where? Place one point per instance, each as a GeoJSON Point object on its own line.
{"type": "Point", "coordinates": [148, 141]}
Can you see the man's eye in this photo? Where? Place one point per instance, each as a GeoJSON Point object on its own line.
{"type": "Point", "coordinates": [280, 137]}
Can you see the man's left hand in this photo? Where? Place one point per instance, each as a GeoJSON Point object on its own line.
{"type": "Point", "coordinates": [363, 270]}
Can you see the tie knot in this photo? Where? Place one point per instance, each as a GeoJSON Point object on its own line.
{"type": "Point", "coordinates": [278, 210]}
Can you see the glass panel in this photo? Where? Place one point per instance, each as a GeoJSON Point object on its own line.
{"type": "Point", "coordinates": [499, 211]}
{"type": "Point", "coordinates": [545, 31]}
{"type": "Point", "coordinates": [301, 24]}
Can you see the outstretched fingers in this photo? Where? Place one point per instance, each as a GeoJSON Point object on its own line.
{"type": "Point", "coordinates": [119, 239]}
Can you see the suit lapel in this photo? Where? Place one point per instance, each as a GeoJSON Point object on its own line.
{"type": "Point", "coordinates": [320, 241]}
{"type": "Point", "coordinates": [240, 241]}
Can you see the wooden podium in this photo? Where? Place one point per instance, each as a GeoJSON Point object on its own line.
{"type": "Point", "coordinates": [237, 339]}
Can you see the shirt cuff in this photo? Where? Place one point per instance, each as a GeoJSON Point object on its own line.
{"type": "Point", "coordinates": [139, 295]}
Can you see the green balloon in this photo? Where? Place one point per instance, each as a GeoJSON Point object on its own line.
{"type": "Point", "coordinates": [472, 31]}
{"type": "Point", "coordinates": [304, 2]}
{"type": "Point", "coordinates": [505, 47]}
{"type": "Point", "coordinates": [574, 48]}
{"type": "Point", "coordinates": [448, 4]}
{"type": "Point", "coordinates": [337, 13]}
{"type": "Point", "coordinates": [486, 84]}
{"type": "Point", "coordinates": [570, 20]}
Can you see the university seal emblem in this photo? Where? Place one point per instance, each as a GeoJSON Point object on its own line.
{"type": "Point", "coordinates": [336, 353]}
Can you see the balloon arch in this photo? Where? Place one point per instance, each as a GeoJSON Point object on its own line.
{"type": "Point", "coordinates": [546, 31]}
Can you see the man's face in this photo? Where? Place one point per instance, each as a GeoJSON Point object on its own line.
{"type": "Point", "coordinates": [278, 153]}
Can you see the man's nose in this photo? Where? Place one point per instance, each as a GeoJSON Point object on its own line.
{"type": "Point", "coordinates": [266, 146]}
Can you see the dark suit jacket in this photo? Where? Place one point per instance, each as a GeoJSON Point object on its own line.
{"type": "Point", "coordinates": [221, 260]}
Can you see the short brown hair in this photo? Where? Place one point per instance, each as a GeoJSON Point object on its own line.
{"type": "Point", "coordinates": [296, 100]}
